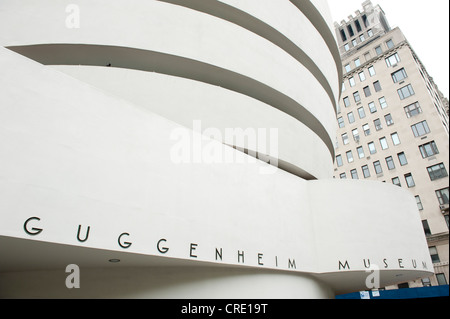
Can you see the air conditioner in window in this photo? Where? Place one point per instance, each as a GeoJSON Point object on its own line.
{"type": "Point", "coordinates": [444, 208]}
{"type": "Point", "coordinates": [357, 138]}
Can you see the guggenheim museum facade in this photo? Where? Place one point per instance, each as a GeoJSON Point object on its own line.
{"type": "Point", "coordinates": [185, 149]}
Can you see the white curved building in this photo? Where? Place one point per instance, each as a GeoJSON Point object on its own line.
{"type": "Point", "coordinates": [184, 149]}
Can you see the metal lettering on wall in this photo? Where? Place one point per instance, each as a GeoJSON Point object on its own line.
{"type": "Point", "coordinates": [82, 236]}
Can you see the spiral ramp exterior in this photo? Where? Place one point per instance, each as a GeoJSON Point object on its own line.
{"type": "Point", "coordinates": [100, 98]}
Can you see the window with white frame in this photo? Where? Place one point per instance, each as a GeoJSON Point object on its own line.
{"type": "Point", "coordinates": [392, 59]}
{"type": "Point", "coordinates": [442, 196]}
{"type": "Point", "coordinates": [437, 171]}
{"type": "Point", "coordinates": [428, 149]}
{"type": "Point", "coordinates": [405, 92]}
{"type": "Point", "coordinates": [409, 180]}
{"type": "Point", "coordinates": [399, 75]}
{"type": "Point", "coordinates": [366, 171]}
{"type": "Point", "coordinates": [366, 129]}
{"type": "Point", "coordinates": [402, 159]}
{"type": "Point", "coordinates": [395, 139]}
{"type": "Point", "coordinates": [372, 148]}
{"type": "Point", "coordinates": [384, 143]}
{"type": "Point", "coordinates": [388, 119]}
{"type": "Point", "coordinates": [383, 103]}
{"type": "Point", "coordinates": [360, 152]}
{"type": "Point", "coordinates": [420, 129]}
{"type": "Point", "coordinates": [413, 110]}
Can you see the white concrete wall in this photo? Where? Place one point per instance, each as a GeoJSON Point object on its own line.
{"type": "Point", "coordinates": [95, 149]}
{"type": "Point", "coordinates": [74, 155]}
{"type": "Point", "coordinates": [187, 33]}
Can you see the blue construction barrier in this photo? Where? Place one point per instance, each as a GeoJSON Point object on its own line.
{"type": "Point", "coordinates": [407, 293]}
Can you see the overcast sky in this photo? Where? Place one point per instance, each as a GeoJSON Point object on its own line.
{"type": "Point", "coordinates": [424, 23]}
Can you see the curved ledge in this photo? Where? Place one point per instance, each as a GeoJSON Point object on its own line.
{"type": "Point", "coordinates": [231, 14]}
{"type": "Point", "coordinates": [311, 12]}
{"type": "Point", "coordinates": [151, 61]}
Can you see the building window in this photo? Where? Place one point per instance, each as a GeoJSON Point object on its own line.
{"type": "Point", "coordinates": [409, 180]}
{"type": "Point", "coordinates": [426, 282]}
{"type": "Point", "coordinates": [395, 139]}
{"type": "Point", "coordinates": [413, 110]}
{"type": "Point", "coordinates": [372, 107]}
{"type": "Point", "coordinates": [351, 117]}
{"type": "Point", "coordinates": [426, 228]}
{"type": "Point", "coordinates": [390, 163]}
{"type": "Point", "coordinates": [343, 36]}
{"type": "Point", "coordinates": [360, 152]}
{"type": "Point", "coordinates": [420, 129]}
{"type": "Point", "coordinates": [341, 122]}
{"type": "Point", "coordinates": [399, 75]}
{"type": "Point", "coordinates": [367, 92]}
{"type": "Point", "coordinates": [370, 33]}
{"type": "Point", "coordinates": [354, 174]}
{"type": "Point", "coordinates": [372, 148]}
{"type": "Point", "coordinates": [372, 71]}
{"type": "Point", "coordinates": [354, 42]}
{"type": "Point", "coordinates": [358, 26]}
{"type": "Point", "coordinates": [383, 102]}
{"type": "Point", "coordinates": [352, 81]}
{"type": "Point", "coordinates": [378, 168]}
{"type": "Point", "coordinates": [405, 92]}
{"type": "Point", "coordinates": [362, 76]}
{"type": "Point", "coordinates": [366, 171]}
{"type": "Point", "coordinates": [419, 203]}
{"type": "Point", "coordinates": [343, 176]}
{"type": "Point", "coordinates": [441, 279]}
{"type": "Point", "coordinates": [361, 113]}
{"type": "Point", "coordinates": [362, 38]}
{"type": "Point", "coordinates": [345, 139]}
{"type": "Point", "coordinates": [346, 101]}
{"type": "Point", "coordinates": [390, 44]}
{"type": "Point", "coordinates": [442, 196]}
{"type": "Point", "coordinates": [349, 157]}
{"type": "Point", "coordinates": [339, 160]}
{"type": "Point", "coordinates": [388, 119]}
{"type": "Point", "coordinates": [429, 149]}
{"type": "Point", "coordinates": [356, 97]}
{"type": "Point", "coordinates": [377, 124]}
{"type": "Point", "coordinates": [366, 129]}
{"type": "Point", "coordinates": [383, 143]}
{"type": "Point", "coordinates": [396, 181]}
{"type": "Point", "coordinates": [357, 62]}
{"type": "Point", "coordinates": [378, 50]}
{"type": "Point", "coordinates": [402, 159]}
{"type": "Point", "coordinates": [348, 68]}
{"type": "Point", "coordinates": [377, 86]}
{"type": "Point", "coordinates": [355, 134]}
{"type": "Point", "coordinates": [346, 47]}
{"type": "Point", "coordinates": [392, 60]}
{"type": "Point", "coordinates": [437, 171]}
{"type": "Point", "coordinates": [434, 255]}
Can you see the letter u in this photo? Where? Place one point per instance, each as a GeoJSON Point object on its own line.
{"type": "Point", "coordinates": [87, 234]}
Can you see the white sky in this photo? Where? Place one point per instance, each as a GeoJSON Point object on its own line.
{"type": "Point", "coordinates": [424, 23]}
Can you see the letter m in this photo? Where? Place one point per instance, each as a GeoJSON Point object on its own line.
{"type": "Point", "coordinates": [291, 264]}
{"type": "Point", "coordinates": [344, 266]}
